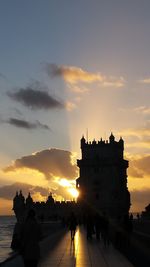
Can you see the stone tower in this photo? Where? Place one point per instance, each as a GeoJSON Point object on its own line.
{"type": "Point", "coordinates": [102, 183]}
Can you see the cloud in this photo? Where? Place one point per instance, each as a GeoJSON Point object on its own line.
{"type": "Point", "coordinates": [16, 111]}
{"type": "Point", "coordinates": [26, 124]}
{"type": "Point", "coordinates": [145, 144]}
{"type": "Point", "coordinates": [78, 89]}
{"type": "Point", "coordinates": [35, 99]}
{"type": "Point", "coordinates": [6, 207]}
{"type": "Point", "coordinates": [140, 167]}
{"type": "Point", "coordinates": [70, 106]}
{"type": "Point", "coordinates": [138, 137]}
{"type": "Point", "coordinates": [140, 199]}
{"type": "Point", "coordinates": [74, 75]}
{"type": "Point", "coordinates": [142, 109]}
{"type": "Point", "coordinates": [113, 82]}
{"type": "Point", "coordinates": [50, 162]}
{"type": "Point", "coordinates": [138, 132]}
{"type": "Point", "coordinates": [3, 76]}
{"type": "Point", "coordinates": [38, 193]}
{"type": "Point", "coordinates": [9, 191]}
{"type": "Point", "coordinates": [145, 81]}
{"type": "Point", "coordinates": [62, 192]}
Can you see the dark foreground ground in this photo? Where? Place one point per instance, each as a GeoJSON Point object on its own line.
{"type": "Point", "coordinates": [57, 249]}
{"type": "Point", "coordinates": [139, 250]}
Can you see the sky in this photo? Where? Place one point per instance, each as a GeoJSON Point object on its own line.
{"type": "Point", "coordinates": [65, 67]}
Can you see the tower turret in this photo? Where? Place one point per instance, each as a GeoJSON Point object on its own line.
{"type": "Point", "coordinates": [121, 141]}
{"type": "Point", "coordinates": [111, 138]}
{"type": "Point", "coordinates": [15, 202]}
{"type": "Point", "coordinates": [82, 141]}
{"type": "Point", "coordinates": [29, 201]}
{"type": "Point", "coordinates": [19, 205]}
{"type": "Point", "coordinates": [16, 196]}
{"type": "Point", "coordinates": [50, 199]}
{"type": "Point", "coordinates": [121, 144]}
{"type": "Point", "coordinates": [21, 197]}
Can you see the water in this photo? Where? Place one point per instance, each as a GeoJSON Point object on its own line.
{"type": "Point", "coordinates": [6, 231]}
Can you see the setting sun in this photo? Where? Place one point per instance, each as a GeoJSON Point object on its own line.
{"type": "Point", "coordinates": [64, 182]}
{"type": "Point", "coordinates": [74, 192]}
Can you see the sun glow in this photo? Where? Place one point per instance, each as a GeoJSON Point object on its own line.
{"type": "Point", "coordinates": [70, 187]}
{"type": "Point", "coordinates": [74, 192]}
{"type": "Point", "coordinates": [64, 182]}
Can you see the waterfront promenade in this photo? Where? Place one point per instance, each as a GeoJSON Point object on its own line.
{"type": "Point", "coordinates": [83, 253]}
{"type": "Point", "coordinates": [59, 251]}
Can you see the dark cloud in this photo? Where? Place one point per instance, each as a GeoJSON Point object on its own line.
{"type": "Point", "coordinates": [140, 199]}
{"type": "Point", "coordinates": [50, 162]}
{"type": "Point", "coordinates": [35, 99]}
{"type": "Point", "coordinates": [9, 191]}
{"type": "Point", "coordinates": [3, 76]}
{"type": "Point", "coordinates": [38, 193]}
{"type": "Point", "coordinates": [54, 70]}
{"type": "Point", "coordinates": [139, 167]}
{"type": "Point", "coordinates": [26, 124]}
{"type": "Point", "coordinates": [16, 111]}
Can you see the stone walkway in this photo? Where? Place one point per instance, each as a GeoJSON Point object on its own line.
{"type": "Point", "coordinates": [82, 253]}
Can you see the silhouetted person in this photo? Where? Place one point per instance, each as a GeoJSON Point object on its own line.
{"type": "Point", "coordinates": [119, 233]}
{"type": "Point", "coordinates": [105, 230]}
{"type": "Point", "coordinates": [72, 225]}
{"type": "Point", "coordinates": [127, 230]}
{"type": "Point", "coordinates": [131, 217]}
{"type": "Point", "coordinates": [30, 237]}
{"type": "Point", "coordinates": [89, 226]}
{"type": "Point", "coordinates": [98, 226]}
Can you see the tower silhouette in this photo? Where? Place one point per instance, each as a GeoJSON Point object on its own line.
{"type": "Point", "coordinates": [102, 184]}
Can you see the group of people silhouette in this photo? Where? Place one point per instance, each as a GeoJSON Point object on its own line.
{"type": "Point", "coordinates": [104, 229]}
{"type": "Point", "coordinates": [98, 225]}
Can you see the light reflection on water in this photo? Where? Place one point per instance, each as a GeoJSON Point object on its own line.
{"type": "Point", "coordinates": [6, 230]}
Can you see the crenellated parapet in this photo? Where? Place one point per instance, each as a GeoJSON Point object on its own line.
{"type": "Point", "coordinates": [102, 142]}
{"type": "Point", "coordinates": [102, 148]}
{"type": "Point", "coordinates": [44, 210]}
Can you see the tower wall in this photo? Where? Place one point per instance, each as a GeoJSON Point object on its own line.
{"type": "Point", "coordinates": [103, 177]}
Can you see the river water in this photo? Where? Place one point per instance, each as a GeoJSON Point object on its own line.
{"type": "Point", "coordinates": [6, 231]}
